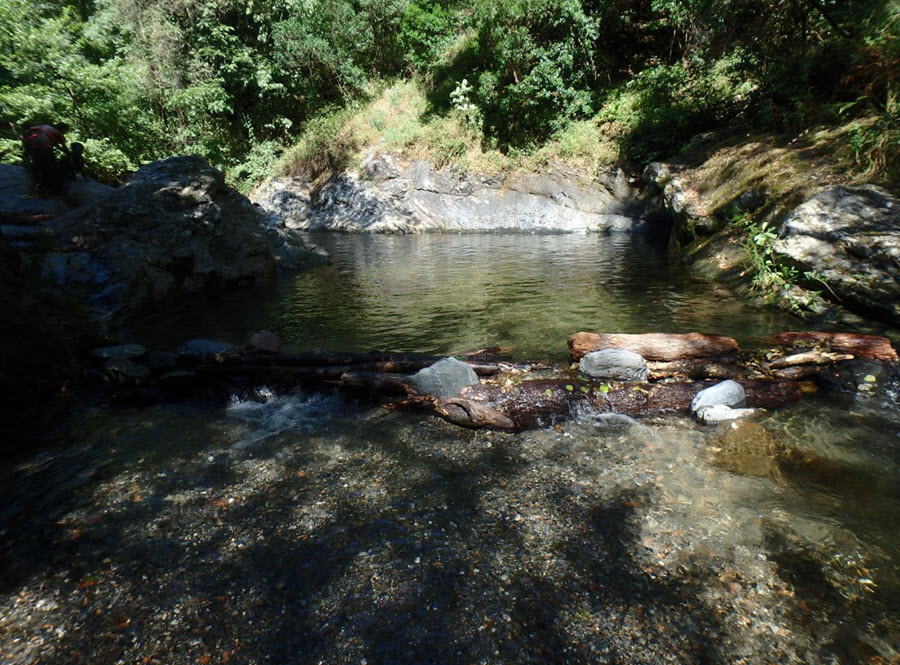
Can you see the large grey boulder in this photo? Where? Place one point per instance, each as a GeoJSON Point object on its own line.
{"type": "Point", "coordinates": [389, 198]}
{"type": "Point", "coordinates": [615, 364]}
{"type": "Point", "coordinates": [849, 237]}
{"type": "Point", "coordinates": [174, 228]}
{"type": "Point", "coordinates": [445, 378]}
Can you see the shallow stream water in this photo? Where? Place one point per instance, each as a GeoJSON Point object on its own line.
{"type": "Point", "coordinates": [310, 528]}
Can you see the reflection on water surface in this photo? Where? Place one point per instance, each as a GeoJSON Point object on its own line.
{"type": "Point", "coordinates": [446, 294]}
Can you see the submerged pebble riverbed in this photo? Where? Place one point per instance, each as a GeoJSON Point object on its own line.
{"type": "Point", "coordinates": [308, 529]}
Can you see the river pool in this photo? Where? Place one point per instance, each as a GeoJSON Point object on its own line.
{"type": "Point", "coordinates": [311, 528]}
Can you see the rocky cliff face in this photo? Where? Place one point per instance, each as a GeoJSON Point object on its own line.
{"type": "Point", "coordinates": [388, 198]}
{"type": "Point", "coordinates": [841, 244]}
{"type": "Point", "coordinates": [174, 228]}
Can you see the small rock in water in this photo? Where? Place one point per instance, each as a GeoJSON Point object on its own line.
{"type": "Point", "coordinates": [445, 378]}
{"type": "Point", "coordinates": [200, 348]}
{"type": "Point", "coordinates": [726, 393]}
{"type": "Point", "coordinates": [721, 413]}
{"type": "Point", "coordinates": [130, 351]}
{"type": "Point", "coordinates": [614, 364]}
{"type": "Point", "coordinates": [264, 341]}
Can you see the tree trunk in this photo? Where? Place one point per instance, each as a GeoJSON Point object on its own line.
{"type": "Point", "coordinates": [656, 346]}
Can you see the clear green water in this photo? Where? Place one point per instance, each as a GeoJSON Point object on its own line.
{"type": "Point", "coordinates": [446, 294]}
{"type": "Point", "coordinates": [310, 528]}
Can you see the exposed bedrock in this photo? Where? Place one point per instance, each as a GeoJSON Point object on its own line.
{"type": "Point", "coordinates": [389, 198]}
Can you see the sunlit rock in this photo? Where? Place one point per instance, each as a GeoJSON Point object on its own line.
{"type": "Point", "coordinates": [445, 378]}
{"type": "Point", "coordinates": [615, 364]}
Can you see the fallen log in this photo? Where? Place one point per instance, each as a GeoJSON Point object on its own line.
{"type": "Point", "coordinates": [545, 402]}
{"type": "Point", "coordinates": [655, 346]}
{"type": "Point", "coordinates": [373, 361]}
{"type": "Point", "coordinates": [871, 347]}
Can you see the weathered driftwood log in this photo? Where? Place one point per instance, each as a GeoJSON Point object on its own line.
{"type": "Point", "coordinates": [542, 403]}
{"type": "Point", "coordinates": [655, 346]}
{"type": "Point", "coordinates": [862, 346]}
{"type": "Point", "coordinates": [813, 357]}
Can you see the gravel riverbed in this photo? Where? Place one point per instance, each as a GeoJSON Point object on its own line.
{"type": "Point", "coordinates": [307, 529]}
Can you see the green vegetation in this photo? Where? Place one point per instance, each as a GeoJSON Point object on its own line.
{"type": "Point", "coordinates": [242, 82]}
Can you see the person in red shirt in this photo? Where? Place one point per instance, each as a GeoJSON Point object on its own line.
{"type": "Point", "coordinates": [41, 145]}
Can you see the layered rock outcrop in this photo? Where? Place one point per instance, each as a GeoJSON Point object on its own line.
{"type": "Point", "coordinates": [388, 198]}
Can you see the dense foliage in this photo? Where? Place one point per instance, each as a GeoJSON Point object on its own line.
{"type": "Point", "coordinates": [237, 81]}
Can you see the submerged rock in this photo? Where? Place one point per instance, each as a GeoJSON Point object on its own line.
{"type": "Point", "coordinates": [445, 378]}
{"type": "Point", "coordinates": [749, 449]}
{"type": "Point", "coordinates": [123, 370]}
{"type": "Point", "coordinates": [615, 364]}
{"type": "Point", "coordinates": [720, 413]}
{"type": "Point", "coordinates": [264, 341]}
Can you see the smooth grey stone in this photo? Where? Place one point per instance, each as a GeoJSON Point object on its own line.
{"type": "Point", "coordinates": [445, 378]}
{"type": "Point", "coordinates": [387, 198]}
{"type": "Point", "coordinates": [614, 364]}
{"type": "Point", "coordinates": [721, 414]}
{"type": "Point", "coordinates": [727, 393]}
{"type": "Point", "coordinates": [130, 351]}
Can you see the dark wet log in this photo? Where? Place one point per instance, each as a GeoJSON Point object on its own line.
{"type": "Point", "coordinates": [698, 368]}
{"type": "Point", "coordinates": [375, 384]}
{"type": "Point", "coordinates": [655, 346]}
{"type": "Point", "coordinates": [462, 412]}
{"type": "Point", "coordinates": [862, 346]}
{"type": "Point", "coordinates": [376, 361]}
{"type": "Point", "coordinates": [542, 403]}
